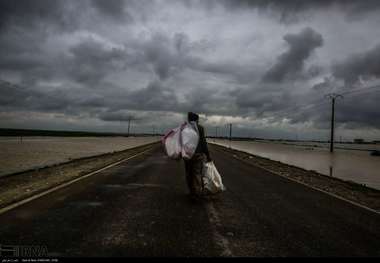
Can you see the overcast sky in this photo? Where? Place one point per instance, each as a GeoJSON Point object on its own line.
{"type": "Point", "coordinates": [264, 66]}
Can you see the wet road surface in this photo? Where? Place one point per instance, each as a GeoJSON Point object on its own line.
{"type": "Point", "coordinates": [141, 208]}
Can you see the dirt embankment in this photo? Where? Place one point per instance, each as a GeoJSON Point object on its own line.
{"type": "Point", "coordinates": [349, 190]}
{"type": "Point", "coordinates": [19, 186]}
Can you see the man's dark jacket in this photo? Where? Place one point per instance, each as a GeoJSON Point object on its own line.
{"type": "Point", "coordinates": [202, 144]}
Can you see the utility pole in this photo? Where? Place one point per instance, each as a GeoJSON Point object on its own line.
{"type": "Point", "coordinates": [129, 124]}
{"type": "Point", "coordinates": [216, 132]}
{"type": "Point", "coordinates": [230, 133]}
{"type": "Point", "coordinates": [153, 130]}
{"type": "Point", "coordinates": [131, 118]}
{"type": "Point", "coordinates": [333, 97]}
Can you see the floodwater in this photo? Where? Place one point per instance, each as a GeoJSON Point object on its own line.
{"type": "Point", "coordinates": [352, 165]}
{"type": "Point", "coordinates": [34, 152]}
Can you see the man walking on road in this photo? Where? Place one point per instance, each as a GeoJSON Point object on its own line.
{"type": "Point", "coordinates": [194, 166]}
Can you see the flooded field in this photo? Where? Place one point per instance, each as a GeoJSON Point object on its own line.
{"type": "Point", "coordinates": [348, 146]}
{"type": "Point", "coordinates": [34, 152]}
{"type": "Point", "coordinates": [353, 165]}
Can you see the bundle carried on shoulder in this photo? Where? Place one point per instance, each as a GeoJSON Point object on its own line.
{"type": "Point", "coordinates": [172, 143]}
{"type": "Point", "coordinates": [181, 142]}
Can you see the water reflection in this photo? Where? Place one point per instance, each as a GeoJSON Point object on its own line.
{"type": "Point", "coordinates": [354, 165]}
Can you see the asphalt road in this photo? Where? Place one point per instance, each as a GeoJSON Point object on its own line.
{"type": "Point", "coordinates": [141, 208]}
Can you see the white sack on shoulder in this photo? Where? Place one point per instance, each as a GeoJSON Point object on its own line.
{"type": "Point", "coordinates": [212, 181]}
{"type": "Point", "coordinates": [172, 143]}
{"type": "Point", "coordinates": [189, 139]}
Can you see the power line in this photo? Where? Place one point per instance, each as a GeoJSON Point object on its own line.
{"type": "Point", "coordinates": [302, 107]}
{"type": "Point", "coordinates": [297, 107]}
{"type": "Point", "coordinates": [360, 90]}
{"type": "Point", "coordinates": [312, 104]}
{"type": "Point", "coordinates": [348, 93]}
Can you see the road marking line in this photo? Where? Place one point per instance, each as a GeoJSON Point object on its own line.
{"type": "Point", "coordinates": [29, 199]}
{"type": "Point", "coordinates": [325, 192]}
{"type": "Point", "coordinates": [312, 187]}
{"type": "Point", "coordinates": [219, 239]}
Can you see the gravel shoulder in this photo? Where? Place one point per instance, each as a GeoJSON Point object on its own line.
{"type": "Point", "coordinates": [20, 186]}
{"type": "Point", "coordinates": [351, 191]}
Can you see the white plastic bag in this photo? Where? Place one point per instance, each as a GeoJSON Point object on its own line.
{"type": "Point", "coordinates": [172, 143]}
{"type": "Point", "coordinates": [212, 182]}
{"type": "Point", "coordinates": [189, 139]}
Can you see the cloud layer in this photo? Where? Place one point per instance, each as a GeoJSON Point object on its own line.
{"type": "Point", "coordinates": [291, 63]}
{"type": "Point", "coordinates": [263, 65]}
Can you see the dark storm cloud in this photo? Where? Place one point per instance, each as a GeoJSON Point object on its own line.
{"type": "Point", "coordinates": [43, 13]}
{"type": "Point", "coordinates": [21, 61]}
{"type": "Point", "coordinates": [113, 59]}
{"type": "Point", "coordinates": [364, 65]}
{"type": "Point", "coordinates": [65, 15]}
{"type": "Point", "coordinates": [92, 61]}
{"type": "Point", "coordinates": [352, 112]}
{"type": "Point", "coordinates": [158, 52]}
{"type": "Point", "coordinates": [13, 96]}
{"type": "Point", "coordinates": [22, 53]}
{"type": "Point", "coordinates": [88, 61]}
{"type": "Point", "coordinates": [355, 115]}
{"type": "Point", "coordinates": [169, 55]}
{"type": "Point", "coordinates": [26, 9]}
{"type": "Point", "coordinates": [291, 11]}
{"type": "Point", "coordinates": [114, 9]}
{"type": "Point", "coordinates": [23, 98]}
{"type": "Point", "coordinates": [70, 100]}
{"type": "Point", "coordinates": [111, 7]}
{"type": "Point", "coordinates": [291, 63]}
{"type": "Point", "coordinates": [27, 27]}
{"type": "Point", "coordinates": [166, 54]}
{"type": "Point", "coordinates": [262, 100]}
{"type": "Point", "coordinates": [154, 97]}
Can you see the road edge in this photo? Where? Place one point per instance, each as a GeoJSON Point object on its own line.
{"type": "Point", "coordinates": [67, 183]}
{"type": "Point", "coordinates": [302, 183]}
